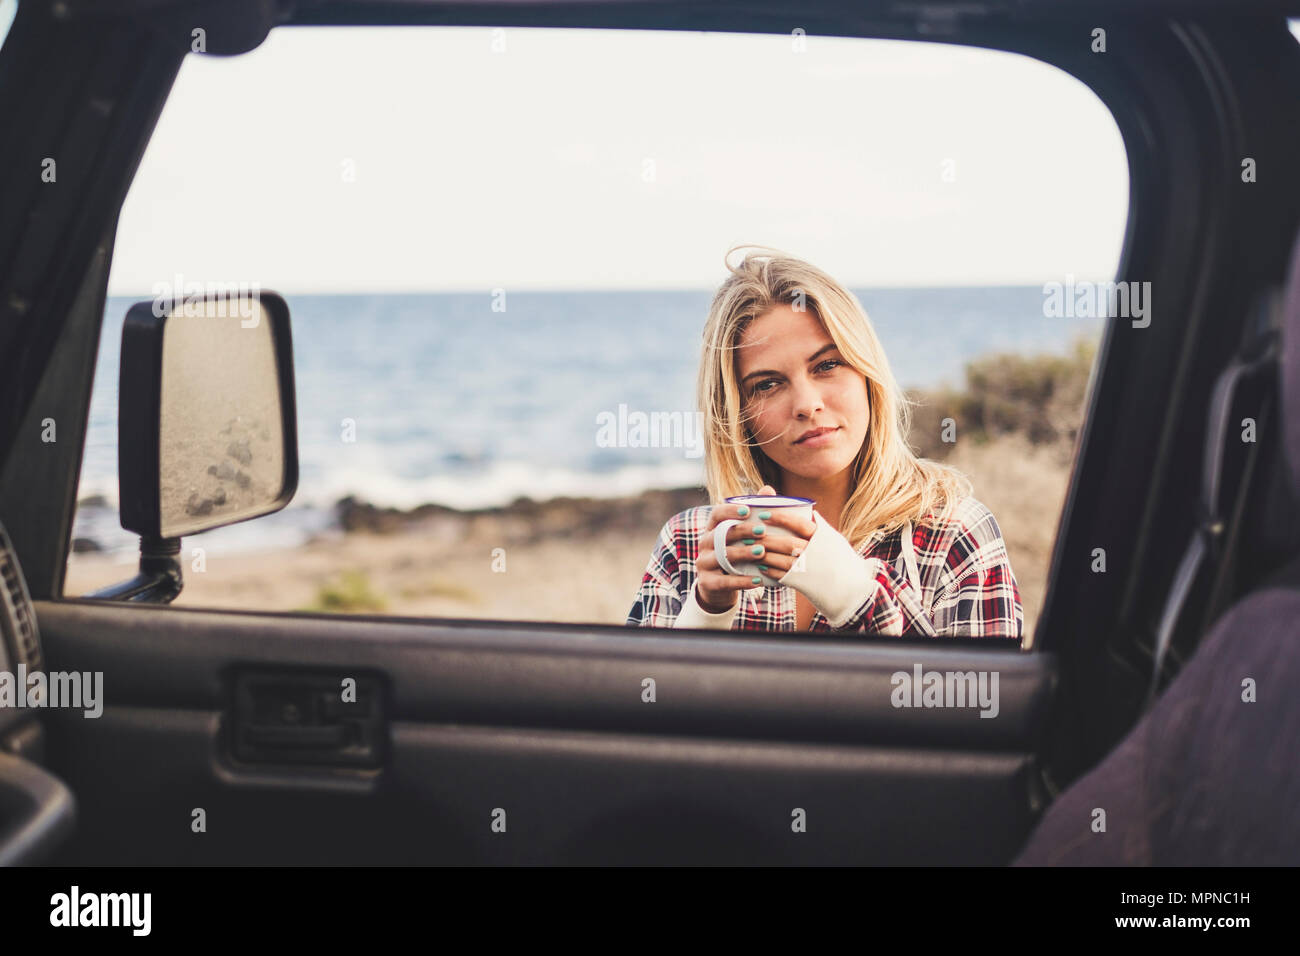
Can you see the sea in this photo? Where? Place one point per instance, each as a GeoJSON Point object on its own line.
{"type": "Point", "coordinates": [458, 404]}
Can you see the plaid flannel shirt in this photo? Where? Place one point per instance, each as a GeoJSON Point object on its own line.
{"type": "Point", "coordinates": [966, 586]}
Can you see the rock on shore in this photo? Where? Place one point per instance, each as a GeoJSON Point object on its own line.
{"type": "Point", "coordinates": [525, 520]}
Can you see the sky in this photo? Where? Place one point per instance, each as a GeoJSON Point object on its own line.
{"type": "Point", "coordinates": [471, 158]}
{"type": "Point", "coordinates": [431, 158]}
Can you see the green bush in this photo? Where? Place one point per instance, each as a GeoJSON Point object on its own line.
{"type": "Point", "coordinates": [1039, 396]}
{"type": "Point", "coordinates": [353, 593]}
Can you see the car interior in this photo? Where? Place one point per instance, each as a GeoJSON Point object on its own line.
{"type": "Point", "coordinates": [486, 742]}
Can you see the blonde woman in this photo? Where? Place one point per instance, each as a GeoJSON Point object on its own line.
{"type": "Point", "coordinates": [799, 400]}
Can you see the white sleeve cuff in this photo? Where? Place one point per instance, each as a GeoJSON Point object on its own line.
{"type": "Point", "coordinates": [834, 577]}
{"type": "Point", "coordinates": [692, 615]}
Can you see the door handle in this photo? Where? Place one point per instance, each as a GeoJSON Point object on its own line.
{"type": "Point", "coordinates": [282, 717]}
{"type": "Point", "coordinates": [334, 736]}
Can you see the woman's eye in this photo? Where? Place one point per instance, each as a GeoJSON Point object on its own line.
{"type": "Point", "coordinates": [759, 389]}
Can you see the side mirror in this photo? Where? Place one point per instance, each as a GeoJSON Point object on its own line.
{"type": "Point", "coordinates": [207, 428]}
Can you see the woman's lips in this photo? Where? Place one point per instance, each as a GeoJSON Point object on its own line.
{"type": "Point", "coordinates": [817, 441]}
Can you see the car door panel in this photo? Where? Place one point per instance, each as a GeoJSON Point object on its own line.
{"type": "Point", "coordinates": [549, 725]}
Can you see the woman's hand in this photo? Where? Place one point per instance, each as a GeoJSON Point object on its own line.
{"type": "Point", "coordinates": [780, 552]}
{"type": "Point", "coordinates": [719, 591]}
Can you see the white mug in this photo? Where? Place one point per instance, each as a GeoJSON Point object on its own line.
{"type": "Point", "coordinates": [757, 503]}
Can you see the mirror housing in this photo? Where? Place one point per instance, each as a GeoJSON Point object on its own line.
{"type": "Point", "coordinates": [207, 426]}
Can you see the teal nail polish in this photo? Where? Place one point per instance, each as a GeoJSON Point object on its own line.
{"type": "Point", "coordinates": [765, 516]}
{"type": "Point", "coordinates": [756, 549]}
{"type": "Point", "coordinates": [758, 529]}
{"type": "Point", "coordinates": [757, 580]}
{"type": "Point", "coordinates": [748, 541]}
{"type": "Point", "coordinates": [743, 510]}
{"type": "Point", "coordinates": [763, 567]}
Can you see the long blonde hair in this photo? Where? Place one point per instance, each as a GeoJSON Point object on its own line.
{"type": "Point", "coordinates": [890, 485]}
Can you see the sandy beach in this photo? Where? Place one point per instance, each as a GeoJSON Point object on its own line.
{"type": "Point", "coordinates": [565, 560]}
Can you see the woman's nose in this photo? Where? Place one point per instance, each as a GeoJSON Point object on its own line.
{"type": "Point", "coordinates": [807, 400]}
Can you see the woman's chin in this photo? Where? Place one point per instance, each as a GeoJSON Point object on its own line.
{"type": "Point", "coordinates": [820, 471]}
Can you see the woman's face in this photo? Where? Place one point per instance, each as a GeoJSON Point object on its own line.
{"type": "Point", "coordinates": [792, 379]}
